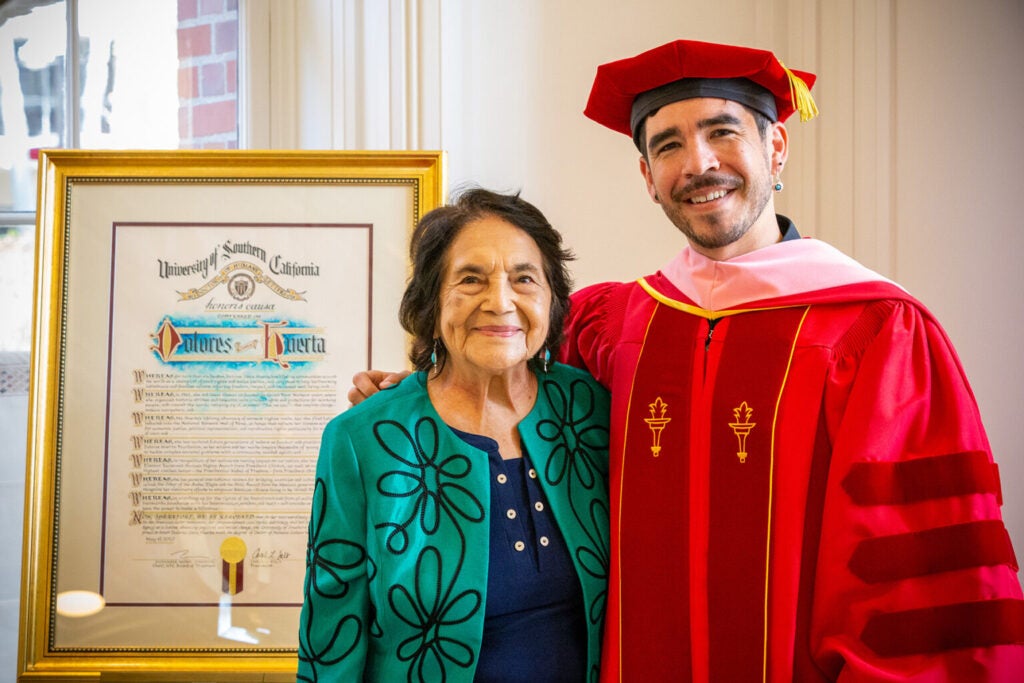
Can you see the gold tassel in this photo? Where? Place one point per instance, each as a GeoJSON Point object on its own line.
{"type": "Point", "coordinates": [801, 95]}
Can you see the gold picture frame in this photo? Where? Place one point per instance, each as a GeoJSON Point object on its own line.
{"type": "Point", "coordinates": [197, 318]}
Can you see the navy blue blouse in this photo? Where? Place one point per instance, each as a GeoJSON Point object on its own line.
{"type": "Point", "coordinates": [534, 628]}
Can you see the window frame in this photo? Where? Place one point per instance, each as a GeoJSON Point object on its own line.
{"type": "Point", "coordinates": [254, 39]}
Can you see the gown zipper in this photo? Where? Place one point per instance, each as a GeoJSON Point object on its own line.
{"type": "Point", "coordinates": [707, 342]}
{"type": "Point", "coordinates": [711, 330]}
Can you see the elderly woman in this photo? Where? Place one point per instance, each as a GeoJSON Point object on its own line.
{"type": "Point", "coordinates": [459, 529]}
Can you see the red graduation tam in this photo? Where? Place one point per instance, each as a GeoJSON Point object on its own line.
{"type": "Point", "coordinates": [626, 91]}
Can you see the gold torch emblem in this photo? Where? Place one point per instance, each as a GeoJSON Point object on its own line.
{"type": "Point", "coordinates": [657, 422]}
{"type": "Point", "coordinates": [741, 427]}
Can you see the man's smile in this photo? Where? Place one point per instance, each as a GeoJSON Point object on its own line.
{"type": "Point", "coordinates": [701, 199]}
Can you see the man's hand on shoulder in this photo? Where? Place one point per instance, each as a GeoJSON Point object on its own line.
{"type": "Point", "coordinates": [368, 382]}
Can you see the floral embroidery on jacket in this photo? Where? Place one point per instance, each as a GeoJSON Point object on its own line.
{"type": "Point", "coordinates": [395, 588]}
{"type": "Point", "coordinates": [328, 560]}
{"type": "Point", "coordinates": [432, 484]}
{"type": "Point", "coordinates": [576, 439]}
{"type": "Point", "coordinates": [429, 611]}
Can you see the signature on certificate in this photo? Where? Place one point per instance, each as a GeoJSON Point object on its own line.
{"type": "Point", "coordinates": [183, 558]}
{"type": "Point", "coordinates": [268, 557]}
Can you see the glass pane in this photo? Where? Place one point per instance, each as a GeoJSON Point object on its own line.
{"type": "Point", "coordinates": [32, 43]}
{"type": "Point", "coordinates": [16, 268]}
{"type": "Point", "coordinates": [171, 85]}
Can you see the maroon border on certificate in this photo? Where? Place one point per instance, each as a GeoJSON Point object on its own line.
{"type": "Point", "coordinates": [116, 225]}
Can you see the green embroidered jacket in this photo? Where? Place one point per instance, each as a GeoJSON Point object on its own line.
{"type": "Point", "coordinates": [396, 566]}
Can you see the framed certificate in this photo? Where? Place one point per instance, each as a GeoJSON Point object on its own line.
{"type": "Point", "coordinates": [199, 316]}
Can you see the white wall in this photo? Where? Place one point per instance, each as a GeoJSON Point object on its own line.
{"type": "Point", "coordinates": [958, 185]}
{"type": "Point", "coordinates": [913, 166]}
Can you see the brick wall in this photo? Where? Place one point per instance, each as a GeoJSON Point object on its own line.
{"type": "Point", "coordinates": [208, 74]}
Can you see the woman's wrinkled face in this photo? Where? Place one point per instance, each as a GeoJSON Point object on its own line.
{"type": "Point", "coordinates": [495, 298]}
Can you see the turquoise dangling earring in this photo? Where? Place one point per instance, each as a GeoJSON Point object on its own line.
{"type": "Point", "coordinates": [778, 184]}
{"type": "Point", "coordinates": [433, 356]}
{"type": "Point", "coordinates": [547, 358]}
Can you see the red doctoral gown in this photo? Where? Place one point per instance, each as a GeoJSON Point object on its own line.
{"type": "Point", "coordinates": [801, 487]}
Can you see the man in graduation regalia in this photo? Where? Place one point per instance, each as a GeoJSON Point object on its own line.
{"type": "Point", "coordinates": [802, 489]}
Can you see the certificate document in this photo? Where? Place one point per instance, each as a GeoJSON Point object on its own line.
{"type": "Point", "coordinates": [231, 346]}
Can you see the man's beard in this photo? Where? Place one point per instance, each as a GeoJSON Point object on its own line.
{"type": "Point", "coordinates": [719, 233]}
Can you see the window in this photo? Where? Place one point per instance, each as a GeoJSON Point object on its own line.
{"type": "Point", "coordinates": [160, 74]}
{"type": "Point", "coordinates": [110, 74]}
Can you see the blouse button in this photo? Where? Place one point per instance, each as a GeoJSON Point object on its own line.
{"type": "Point", "coordinates": [502, 478]}
{"type": "Point", "coordinates": [544, 540]}
{"type": "Point", "coordinates": [538, 506]}
{"type": "Point", "coordinates": [519, 546]}
{"type": "Point", "coordinates": [511, 514]}
{"type": "Point", "coordinates": [533, 473]}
